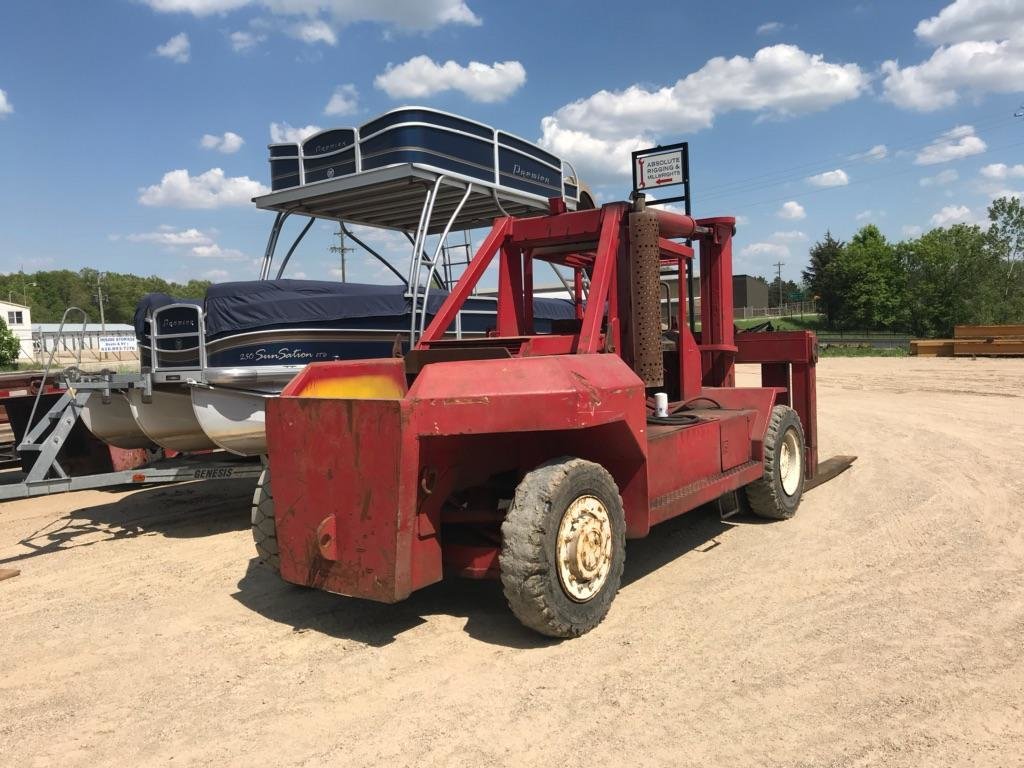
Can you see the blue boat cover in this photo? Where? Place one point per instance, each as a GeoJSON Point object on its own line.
{"type": "Point", "coordinates": [262, 304]}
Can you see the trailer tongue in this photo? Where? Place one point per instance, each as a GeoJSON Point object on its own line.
{"type": "Point", "coordinates": [532, 457]}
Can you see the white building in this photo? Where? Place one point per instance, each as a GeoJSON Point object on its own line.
{"type": "Point", "coordinates": [18, 318]}
{"type": "Point", "coordinates": [119, 341]}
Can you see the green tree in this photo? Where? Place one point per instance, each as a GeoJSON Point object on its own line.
{"type": "Point", "coordinates": [49, 293]}
{"type": "Point", "coordinates": [820, 281]}
{"type": "Point", "coordinates": [788, 291]}
{"type": "Point", "coordinates": [9, 345]}
{"type": "Point", "coordinates": [1006, 237]}
{"type": "Point", "coordinates": [953, 276]}
{"type": "Point", "coordinates": [870, 283]}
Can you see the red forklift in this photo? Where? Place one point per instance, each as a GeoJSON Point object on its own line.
{"type": "Point", "coordinates": [532, 458]}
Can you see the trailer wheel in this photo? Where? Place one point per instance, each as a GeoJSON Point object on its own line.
{"type": "Point", "coordinates": [776, 495]}
{"type": "Point", "coordinates": [563, 547]}
{"type": "Point", "coordinates": [264, 529]}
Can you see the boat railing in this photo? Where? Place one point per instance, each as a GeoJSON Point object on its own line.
{"type": "Point", "coordinates": [164, 344]}
{"type": "Point", "coordinates": [337, 152]}
{"type": "Point", "coordinates": [58, 340]}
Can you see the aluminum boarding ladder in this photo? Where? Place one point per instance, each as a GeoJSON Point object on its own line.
{"type": "Point", "coordinates": [32, 442]}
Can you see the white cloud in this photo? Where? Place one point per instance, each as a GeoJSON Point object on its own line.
{"type": "Point", "coordinates": [792, 236]}
{"type": "Point", "coordinates": [386, 241]}
{"type": "Point", "coordinates": [597, 160]}
{"type": "Point", "coordinates": [942, 178]}
{"type": "Point", "coordinates": [792, 210]}
{"type": "Point", "coordinates": [980, 50]}
{"type": "Point", "coordinates": [867, 215]}
{"type": "Point", "coordinates": [196, 7]}
{"type": "Point", "coordinates": [422, 15]}
{"type": "Point", "coordinates": [281, 133]}
{"type": "Point", "coordinates": [216, 275]}
{"type": "Point", "coordinates": [836, 178]}
{"type": "Point", "coordinates": [765, 249]}
{"type": "Point", "coordinates": [198, 243]}
{"type": "Point", "coordinates": [228, 142]}
{"type": "Point", "coordinates": [954, 144]}
{"type": "Point", "coordinates": [173, 238]}
{"type": "Point", "coordinates": [911, 230]}
{"type": "Point", "coordinates": [176, 49]}
{"type": "Point", "coordinates": [973, 20]}
{"type": "Point", "coordinates": [770, 28]}
{"type": "Point", "coordinates": [953, 214]}
{"type": "Point", "coordinates": [778, 81]}
{"type": "Point", "coordinates": [975, 67]}
{"type": "Point", "coordinates": [242, 41]}
{"type": "Point", "coordinates": [216, 252]}
{"type": "Point", "coordinates": [1013, 193]}
{"type": "Point", "coordinates": [5, 105]}
{"type": "Point", "coordinates": [876, 153]}
{"type": "Point", "coordinates": [344, 101]}
{"type": "Point", "coordinates": [212, 189]}
{"type": "Point", "coordinates": [1003, 171]}
{"type": "Point", "coordinates": [313, 31]}
{"type": "Point", "coordinates": [421, 76]}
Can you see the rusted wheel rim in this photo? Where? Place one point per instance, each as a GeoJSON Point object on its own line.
{"type": "Point", "coordinates": [584, 548]}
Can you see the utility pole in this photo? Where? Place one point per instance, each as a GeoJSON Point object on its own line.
{"type": "Point", "coordinates": [341, 249]}
{"type": "Point", "coordinates": [778, 268]}
{"type": "Point", "coordinates": [103, 320]}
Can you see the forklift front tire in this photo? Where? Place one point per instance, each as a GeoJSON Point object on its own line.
{"type": "Point", "coordinates": [563, 547]}
{"type": "Point", "coordinates": [264, 527]}
{"type": "Point", "coordinates": [776, 495]}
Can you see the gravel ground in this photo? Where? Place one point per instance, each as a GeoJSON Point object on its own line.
{"type": "Point", "coordinates": [882, 626]}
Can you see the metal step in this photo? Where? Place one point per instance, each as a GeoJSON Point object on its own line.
{"type": "Point", "coordinates": [728, 505]}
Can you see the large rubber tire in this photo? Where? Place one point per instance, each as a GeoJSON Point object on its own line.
{"type": "Point", "coordinates": [264, 528]}
{"type": "Point", "coordinates": [777, 494]}
{"type": "Point", "coordinates": [530, 568]}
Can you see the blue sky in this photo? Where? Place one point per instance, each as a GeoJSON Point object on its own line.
{"type": "Point", "coordinates": [801, 116]}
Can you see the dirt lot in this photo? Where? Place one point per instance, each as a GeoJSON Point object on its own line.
{"type": "Point", "coordinates": [884, 625]}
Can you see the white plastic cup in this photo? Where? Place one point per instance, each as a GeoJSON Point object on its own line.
{"type": "Point", "coordinates": [661, 405]}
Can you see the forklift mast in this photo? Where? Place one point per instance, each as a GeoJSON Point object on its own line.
{"type": "Point", "coordinates": [618, 252]}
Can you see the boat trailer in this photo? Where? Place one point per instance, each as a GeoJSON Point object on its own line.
{"type": "Point", "coordinates": [50, 433]}
{"type": "Point", "coordinates": [41, 448]}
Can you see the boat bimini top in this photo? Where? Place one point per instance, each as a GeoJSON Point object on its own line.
{"type": "Point", "coordinates": [379, 173]}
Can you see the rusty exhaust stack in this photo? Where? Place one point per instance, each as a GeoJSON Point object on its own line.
{"type": "Point", "coordinates": [645, 295]}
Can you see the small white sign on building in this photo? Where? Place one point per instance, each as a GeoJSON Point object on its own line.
{"type": "Point", "coordinates": [659, 170]}
{"type": "Point", "coordinates": [118, 344]}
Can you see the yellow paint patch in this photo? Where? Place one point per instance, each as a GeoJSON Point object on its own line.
{"type": "Point", "coordinates": [370, 387]}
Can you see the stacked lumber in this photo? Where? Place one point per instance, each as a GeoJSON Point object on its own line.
{"type": "Point", "coordinates": [988, 340]}
{"type": "Point", "coordinates": [931, 347]}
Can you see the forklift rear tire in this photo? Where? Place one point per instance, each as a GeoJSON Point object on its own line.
{"type": "Point", "coordinates": [776, 495]}
{"type": "Point", "coordinates": [264, 528]}
{"type": "Point", "coordinates": [563, 547]}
